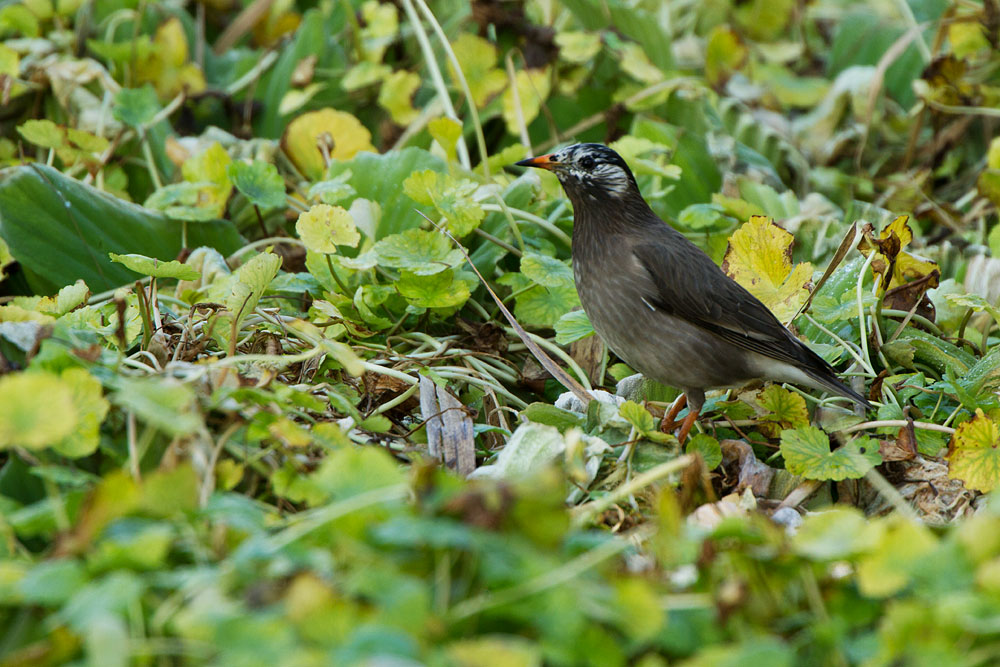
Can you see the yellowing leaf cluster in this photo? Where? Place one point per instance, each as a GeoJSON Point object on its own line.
{"type": "Point", "coordinates": [759, 258]}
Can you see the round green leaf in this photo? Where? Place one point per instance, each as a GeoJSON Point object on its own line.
{"type": "Point", "coordinates": [259, 181]}
{"type": "Point", "coordinates": [708, 447]}
{"type": "Point", "coordinates": [546, 271]}
{"type": "Point", "coordinates": [136, 106]}
{"type": "Point", "coordinates": [806, 451]}
{"type": "Point", "coordinates": [422, 252]}
{"type": "Point", "coordinates": [157, 268]}
{"type": "Point", "coordinates": [439, 290]}
{"type": "Point", "coordinates": [573, 326]}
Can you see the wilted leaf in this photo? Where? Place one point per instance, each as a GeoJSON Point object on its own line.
{"type": "Point", "coordinates": [759, 257]}
{"type": "Point", "coordinates": [806, 451]}
{"type": "Point", "coordinates": [323, 227]}
{"type": "Point", "coordinates": [974, 453]}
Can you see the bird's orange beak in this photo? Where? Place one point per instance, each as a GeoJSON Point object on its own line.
{"type": "Point", "coordinates": [547, 162]}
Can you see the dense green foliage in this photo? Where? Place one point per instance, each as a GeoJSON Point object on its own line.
{"type": "Point", "coordinates": [255, 263]}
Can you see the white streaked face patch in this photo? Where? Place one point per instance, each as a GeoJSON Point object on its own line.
{"type": "Point", "coordinates": [589, 170]}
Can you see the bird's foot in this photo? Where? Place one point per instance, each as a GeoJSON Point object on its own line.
{"type": "Point", "coordinates": [667, 425]}
{"type": "Point", "coordinates": [687, 425]}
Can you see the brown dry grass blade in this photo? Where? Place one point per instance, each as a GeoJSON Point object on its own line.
{"type": "Point", "coordinates": [851, 239]}
{"type": "Point", "coordinates": [564, 378]}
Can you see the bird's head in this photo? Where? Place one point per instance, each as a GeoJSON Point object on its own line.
{"type": "Point", "coordinates": [588, 171]}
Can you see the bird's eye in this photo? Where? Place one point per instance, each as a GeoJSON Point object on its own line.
{"type": "Point", "coordinates": [587, 162]}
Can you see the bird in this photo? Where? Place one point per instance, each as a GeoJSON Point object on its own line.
{"type": "Point", "coordinates": [660, 303]}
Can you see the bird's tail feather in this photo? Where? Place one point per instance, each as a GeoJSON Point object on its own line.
{"type": "Point", "coordinates": [832, 384]}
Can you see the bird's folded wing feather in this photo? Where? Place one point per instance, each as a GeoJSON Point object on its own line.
{"type": "Point", "coordinates": [712, 300]}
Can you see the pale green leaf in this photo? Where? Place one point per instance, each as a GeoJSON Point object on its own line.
{"type": "Point", "coordinates": [323, 227]}
{"type": "Point", "coordinates": [157, 268]}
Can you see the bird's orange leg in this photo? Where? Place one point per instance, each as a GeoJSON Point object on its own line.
{"type": "Point", "coordinates": [668, 424]}
{"type": "Point", "coordinates": [687, 424]}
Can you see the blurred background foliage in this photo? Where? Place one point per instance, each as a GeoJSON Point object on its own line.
{"type": "Point", "coordinates": [232, 333]}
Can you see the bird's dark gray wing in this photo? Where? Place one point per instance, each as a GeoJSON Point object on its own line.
{"type": "Point", "coordinates": [685, 283]}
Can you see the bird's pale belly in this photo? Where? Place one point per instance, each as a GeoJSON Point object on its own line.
{"type": "Point", "coordinates": [664, 348]}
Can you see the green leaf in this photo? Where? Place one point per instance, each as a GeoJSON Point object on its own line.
{"type": "Point", "coordinates": [42, 133]}
{"type": "Point", "coordinates": [708, 447]}
{"type": "Point", "coordinates": [974, 453]}
{"type": "Point", "coordinates": [573, 326]}
{"type": "Point", "coordinates": [543, 306]}
{"type": "Point", "coordinates": [36, 410]}
{"type": "Point", "coordinates": [439, 290]}
{"type": "Point", "coordinates": [833, 534]}
{"type": "Point", "coordinates": [323, 227]}
{"type": "Point", "coordinates": [60, 230]}
{"type": "Point", "coordinates": [806, 451]}
{"type": "Point", "coordinates": [91, 408]}
{"type": "Point", "coordinates": [452, 198]}
{"type": "Point", "coordinates": [422, 252]}
{"type": "Point", "coordinates": [638, 416]}
{"type": "Point", "coordinates": [184, 201]}
{"type": "Point", "coordinates": [252, 279]}
{"type": "Point", "coordinates": [259, 181]}
{"type": "Point", "coordinates": [546, 271]}
{"type": "Point", "coordinates": [136, 106]}
{"type": "Point", "coordinates": [377, 178]}
{"type": "Point", "coordinates": [150, 266]}
{"type": "Point", "coordinates": [162, 402]}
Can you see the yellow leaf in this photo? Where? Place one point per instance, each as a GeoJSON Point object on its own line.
{"type": "Point", "coordinates": [323, 227]}
{"type": "Point", "coordinates": [724, 54]}
{"type": "Point", "coordinates": [759, 257]}
{"type": "Point", "coordinates": [901, 546]}
{"type": "Point", "coordinates": [637, 64]}
{"type": "Point", "coordinates": [888, 249]}
{"type": "Point", "coordinates": [446, 132]}
{"type": "Point", "coordinates": [478, 58]}
{"type": "Point", "coordinates": [381, 24]}
{"type": "Point", "coordinates": [993, 154]}
{"type": "Point", "coordinates": [210, 167]}
{"type": "Point", "coordinates": [532, 89]}
{"type": "Point", "coordinates": [974, 454]}
{"type": "Point", "coordinates": [341, 134]}
{"type": "Point", "coordinates": [36, 410]}
{"type": "Point", "coordinates": [577, 47]}
{"type": "Point", "coordinates": [396, 96]}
